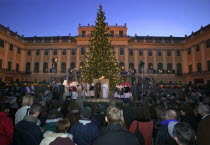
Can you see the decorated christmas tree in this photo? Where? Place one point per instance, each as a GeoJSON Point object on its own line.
{"type": "Point", "coordinates": [100, 60]}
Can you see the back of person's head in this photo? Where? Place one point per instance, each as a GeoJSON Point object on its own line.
{"type": "Point", "coordinates": [27, 100]}
{"type": "Point", "coordinates": [52, 114]}
{"type": "Point", "coordinates": [203, 109]}
{"type": "Point", "coordinates": [186, 109]}
{"type": "Point", "coordinates": [184, 134]}
{"type": "Point", "coordinates": [171, 114]}
{"type": "Point", "coordinates": [113, 114]}
{"type": "Point", "coordinates": [86, 112]}
{"type": "Point", "coordinates": [62, 126]}
{"type": "Point", "coordinates": [35, 108]}
{"type": "Point", "coordinates": [160, 112]}
{"type": "Point", "coordinates": [143, 114]}
{"type": "Point", "coordinates": [74, 108]}
{"type": "Point", "coordinates": [4, 107]}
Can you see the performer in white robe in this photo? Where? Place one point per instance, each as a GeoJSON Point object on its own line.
{"type": "Point", "coordinates": [66, 89]}
{"type": "Point", "coordinates": [105, 90]}
{"type": "Point", "coordinates": [87, 91]}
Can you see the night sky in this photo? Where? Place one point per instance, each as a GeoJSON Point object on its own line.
{"type": "Point", "coordinates": [143, 17]}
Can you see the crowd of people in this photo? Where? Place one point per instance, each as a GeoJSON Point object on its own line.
{"type": "Point", "coordinates": [168, 117]}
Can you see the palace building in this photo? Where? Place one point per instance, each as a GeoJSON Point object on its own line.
{"type": "Point", "coordinates": [165, 59]}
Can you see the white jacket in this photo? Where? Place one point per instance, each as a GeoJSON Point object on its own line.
{"type": "Point", "coordinates": [50, 136]}
{"type": "Point", "coordinates": [20, 114]}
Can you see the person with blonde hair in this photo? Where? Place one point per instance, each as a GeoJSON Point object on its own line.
{"type": "Point", "coordinates": [27, 101]}
{"type": "Point", "coordinates": [115, 133]}
{"type": "Point", "coordinates": [61, 136]}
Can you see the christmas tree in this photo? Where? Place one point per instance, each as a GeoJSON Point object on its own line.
{"type": "Point", "coordinates": [100, 60]}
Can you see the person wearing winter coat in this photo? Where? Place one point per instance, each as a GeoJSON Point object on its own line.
{"type": "Point", "coordinates": [26, 131]}
{"type": "Point", "coordinates": [85, 131]}
{"type": "Point", "coordinates": [24, 110]}
{"type": "Point", "coordinates": [6, 125]}
{"type": "Point", "coordinates": [115, 133]}
{"type": "Point", "coordinates": [60, 136]}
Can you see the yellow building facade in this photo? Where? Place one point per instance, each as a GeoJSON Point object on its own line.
{"type": "Point", "coordinates": [166, 59]}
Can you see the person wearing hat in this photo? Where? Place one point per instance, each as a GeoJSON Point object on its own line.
{"type": "Point", "coordinates": [84, 131]}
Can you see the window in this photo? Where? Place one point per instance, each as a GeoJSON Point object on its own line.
{"type": "Point", "coordinates": [46, 51]}
{"type": "Point", "coordinates": [189, 51]}
{"type": "Point", "coordinates": [208, 65]}
{"type": "Point", "coordinates": [122, 65]}
{"type": "Point", "coordinates": [190, 68]}
{"type": "Point", "coordinates": [18, 50]}
{"type": "Point", "coordinates": [1, 43]}
{"type": "Point", "coordinates": [131, 52]}
{"type": "Point", "coordinates": [63, 67]}
{"type": "Point", "coordinates": [82, 50]}
{"type": "Point", "coordinates": [17, 67]}
{"type": "Point", "coordinates": [81, 65]}
{"type": "Point", "coordinates": [120, 33]}
{"type": "Point", "coordinates": [160, 66]}
{"type": "Point", "coordinates": [159, 53]}
{"type": "Point", "coordinates": [11, 47]}
{"type": "Point", "coordinates": [72, 65]}
{"type": "Point", "coordinates": [141, 67]}
{"type": "Point", "coordinates": [168, 52]}
{"type": "Point", "coordinates": [73, 52]}
{"type": "Point", "coordinates": [179, 69]}
{"type": "Point", "coordinates": [208, 43]}
{"type": "Point", "coordinates": [45, 67]}
{"type": "Point", "coordinates": [150, 52]}
{"type": "Point", "coordinates": [83, 33]}
{"type": "Point", "coordinates": [121, 51]}
{"type": "Point", "coordinates": [55, 52]}
{"type": "Point", "coordinates": [140, 52]}
{"type": "Point", "coordinates": [169, 68]}
{"type": "Point", "coordinates": [131, 66]}
{"type": "Point", "coordinates": [64, 52]}
{"type": "Point", "coordinates": [29, 52]}
{"type": "Point", "coordinates": [111, 33]}
{"type": "Point", "coordinates": [197, 47]}
{"type": "Point", "coordinates": [150, 66]}
{"type": "Point", "coordinates": [0, 63]}
{"type": "Point", "coordinates": [37, 51]}
{"type": "Point", "coordinates": [198, 67]}
{"type": "Point", "coordinates": [9, 65]}
{"type": "Point", "coordinates": [28, 67]}
{"type": "Point", "coordinates": [36, 67]}
{"type": "Point", "coordinates": [178, 53]}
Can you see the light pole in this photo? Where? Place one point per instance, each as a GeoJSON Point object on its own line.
{"type": "Point", "coordinates": [142, 77]}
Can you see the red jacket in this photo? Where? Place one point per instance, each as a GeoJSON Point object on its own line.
{"type": "Point", "coordinates": [6, 129]}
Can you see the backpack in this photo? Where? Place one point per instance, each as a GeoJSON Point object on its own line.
{"type": "Point", "coordinates": [139, 135]}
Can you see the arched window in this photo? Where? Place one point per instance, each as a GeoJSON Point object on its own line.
{"type": "Point", "coordinates": [131, 66]}
{"type": "Point", "coordinates": [179, 68]}
{"type": "Point", "coordinates": [72, 65]}
{"type": "Point", "coordinates": [141, 67]}
{"type": "Point", "coordinates": [45, 67]}
{"type": "Point", "coordinates": [150, 66]}
{"type": "Point", "coordinates": [160, 66]}
{"type": "Point", "coordinates": [36, 67]}
{"type": "Point", "coordinates": [122, 65]}
{"type": "Point", "coordinates": [28, 67]}
{"type": "Point", "coordinates": [63, 67]}
{"type": "Point", "coordinates": [81, 65]}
